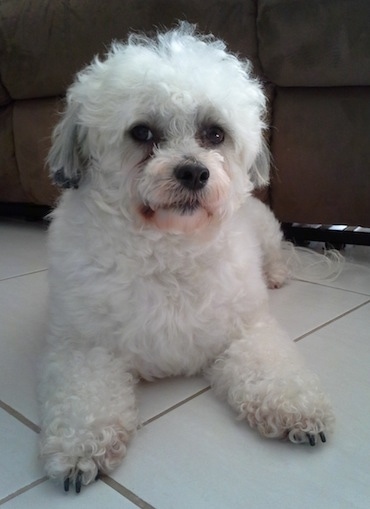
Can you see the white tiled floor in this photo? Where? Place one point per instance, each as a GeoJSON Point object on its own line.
{"type": "Point", "coordinates": [191, 451]}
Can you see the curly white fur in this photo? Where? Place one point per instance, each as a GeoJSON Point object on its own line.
{"type": "Point", "coordinates": [150, 277]}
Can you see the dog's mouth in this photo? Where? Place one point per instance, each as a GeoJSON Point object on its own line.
{"type": "Point", "coordinates": [184, 217]}
{"type": "Point", "coordinates": [186, 208]}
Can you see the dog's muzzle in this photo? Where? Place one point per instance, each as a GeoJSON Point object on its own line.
{"type": "Point", "coordinates": [192, 175]}
{"type": "Point", "coordinates": [186, 208]}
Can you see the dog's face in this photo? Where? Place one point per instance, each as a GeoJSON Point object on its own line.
{"type": "Point", "coordinates": [167, 133]}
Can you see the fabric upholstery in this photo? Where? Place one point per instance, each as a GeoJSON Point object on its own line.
{"type": "Point", "coordinates": [312, 55]}
{"type": "Point", "coordinates": [321, 43]}
{"type": "Point", "coordinates": [321, 150]}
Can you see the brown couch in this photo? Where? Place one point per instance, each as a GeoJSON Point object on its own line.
{"type": "Point", "coordinates": [313, 55]}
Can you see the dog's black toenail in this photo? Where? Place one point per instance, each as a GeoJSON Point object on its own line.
{"type": "Point", "coordinates": [322, 436]}
{"type": "Point", "coordinates": [66, 484]}
{"type": "Point", "coordinates": [78, 481]}
{"type": "Point", "coordinates": [311, 439]}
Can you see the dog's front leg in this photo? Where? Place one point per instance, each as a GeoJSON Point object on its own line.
{"type": "Point", "coordinates": [264, 379]}
{"type": "Point", "coordinates": [88, 413]}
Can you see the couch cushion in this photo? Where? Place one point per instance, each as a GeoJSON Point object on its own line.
{"type": "Point", "coordinates": [33, 121]}
{"type": "Point", "coordinates": [44, 43]}
{"type": "Point", "coordinates": [4, 96]}
{"type": "Point", "coordinates": [315, 42]}
{"type": "Point", "coordinates": [10, 186]}
{"type": "Point", "coordinates": [321, 150]}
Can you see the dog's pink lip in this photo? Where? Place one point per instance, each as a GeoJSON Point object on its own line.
{"type": "Point", "coordinates": [176, 218]}
{"type": "Point", "coordinates": [148, 212]}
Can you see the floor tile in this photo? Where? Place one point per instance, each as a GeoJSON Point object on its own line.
{"type": "Point", "coordinates": [48, 495]}
{"type": "Point", "coordinates": [19, 465]}
{"type": "Point", "coordinates": [300, 307]}
{"type": "Point", "coordinates": [354, 270]}
{"type": "Point", "coordinates": [355, 276]}
{"type": "Point", "coordinates": [340, 352]}
{"type": "Point", "coordinates": [193, 452]}
{"type": "Point", "coordinates": [158, 396]}
{"type": "Point", "coordinates": [199, 456]}
{"type": "Point", "coordinates": [23, 248]}
{"type": "Point", "coordinates": [357, 254]}
{"type": "Point", "coordinates": [23, 302]}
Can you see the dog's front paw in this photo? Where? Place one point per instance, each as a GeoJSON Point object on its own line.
{"type": "Point", "coordinates": [300, 437]}
{"type": "Point", "coordinates": [309, 418]}
{"type": "Point", "coordinates": [76, 480]}
{"type": "Point", "coordinates": [77, 458]}
{"type": "Point", "coordinates": [300, 414]}
{"type": "Point", "coordinates": [293, 424]}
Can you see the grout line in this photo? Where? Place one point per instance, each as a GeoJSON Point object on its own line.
{"type": "Point", "coordinates": [23, 490]}
{"type": "Point", "coordinates": [20, 417]}
{"type": "Point", "coordinates": [139, 502]}
{"type": "Point", "coordinates": [177, 405]}
{"type": "Point", "coordinates": [23, 274]}
{"type": "Point", "coordinates": [327, 285]}
{"type": "Point", "coordinates": [331, 321]}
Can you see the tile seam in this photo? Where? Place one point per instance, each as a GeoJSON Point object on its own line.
{"type": "Point", "coordinates": [349, 311]}
{"type": "Point", "coordinates": [20, 417]}
{"type": "Point", "coordinates": [23, 490]}
{"type": "Point", "coordinates": [174, 407]}
{"type": "Point", "coordinates": [125, 492]}
{"type": "Point", "coordinates": [23, 274]}
{"type": "Point", "coordinates": [331, 287]}
{"type": "Point", "coordinates": [327, 285]}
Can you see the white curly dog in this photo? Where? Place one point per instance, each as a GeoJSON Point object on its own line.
{"type": "Point", "coordinates": [160, 257]}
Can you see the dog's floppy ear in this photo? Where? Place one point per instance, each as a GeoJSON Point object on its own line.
{"type": "Point", "coordinates": [65, 157]}
{"type": "Point", "coordinates": [260, 170]}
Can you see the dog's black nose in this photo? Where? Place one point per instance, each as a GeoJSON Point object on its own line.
{"type": "Point", "coordinates": [192, 175]}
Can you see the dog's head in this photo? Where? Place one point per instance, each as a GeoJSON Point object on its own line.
{"type": "Point", "coordinates": [166, 131]}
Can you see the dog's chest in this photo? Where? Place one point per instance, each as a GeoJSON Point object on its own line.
{"type": "Point", "coordinates": [178, 302]}
{"type": "Point", "coordinates": [176, 321]}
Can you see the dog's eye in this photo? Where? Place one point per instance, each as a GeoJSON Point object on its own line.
{"type": "Point", "coordinates": [214, 135]}
{"type": "Point", "coordinates": [142, 133]}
